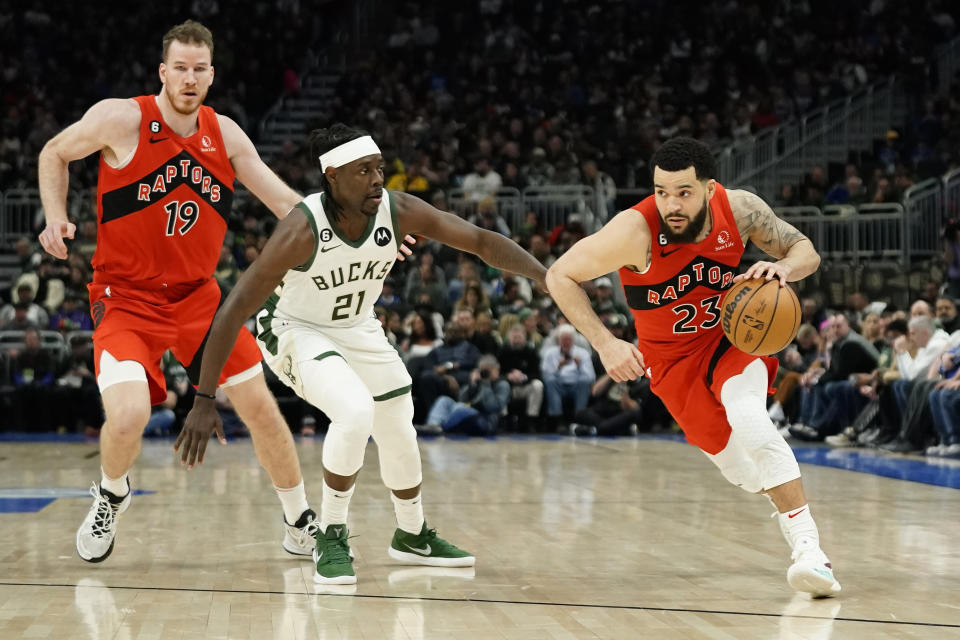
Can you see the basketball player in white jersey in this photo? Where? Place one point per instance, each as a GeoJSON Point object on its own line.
{"type": "Point", "coordinates": [315, 285]}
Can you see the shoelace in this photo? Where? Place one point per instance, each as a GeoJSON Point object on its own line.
{"type": "Point", "coordinates": [337, 551]}
{"type": "Point", "coordinates": [310, 530]}
{"type": "Point", "coordinates": [106, 513]}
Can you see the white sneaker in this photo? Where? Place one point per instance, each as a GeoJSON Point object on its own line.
{"type": "Point", "coordinates": [811, 570]}
{"type": "Point", "coordinates": [98, 530]}
{"type": "Point", "coordinates": [935, 450]}
{"type": "Point", "coordinates": [776, 412]}
{"type": "Point", "coordinates": [300, 539]}
{"type": "Point", "coordinates": [839, 440]}
{"type": "Point", "coordinates": [951, 450]}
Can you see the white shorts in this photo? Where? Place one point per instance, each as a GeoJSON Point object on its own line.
{"type": "Point", "coordinates": [364, 347]}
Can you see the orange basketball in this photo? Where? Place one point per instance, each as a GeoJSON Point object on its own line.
{"type": "Point", "coordinates": [759, 316]}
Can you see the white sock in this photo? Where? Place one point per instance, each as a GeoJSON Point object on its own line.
{"type": "Point", "coordinates": [116, 486]}
{"type": "Point", "coordinates": [294, 501]}
{"type": "Point", "coordinates": [334, 508]}
{"type": "Point", "coordinates": [409, 513]}
{"type": "Point", "coordinates": [798, 524]}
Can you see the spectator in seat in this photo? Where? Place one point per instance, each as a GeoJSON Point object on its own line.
{"type": "Point", "coordinates": [483, 182]}
{"type": "Point", "coordinates": [946, 309]}
{"type": "Point", "coordinates": [482, 401]}
{"type": "Point", "coordinates": [829, 402]}
{"type": "Point", "coordinates": [917, 357]}
{"type": "Point", "coordinates": [446, 369]}
{"type": "Point", "coordinates": [25, 294]}
{"type": "Point", "coordinates": [520, 363]}
{"type": "Point", "coordinates": [568, 375]}
{"type": "Point", "coordinates": [945, 406]}
{"type": "Point", "coordinates": [32, 370]}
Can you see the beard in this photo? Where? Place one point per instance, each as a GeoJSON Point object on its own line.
{"type": "Point", "coordinates": [692, 230]}
{"type": "Point", "coordinates": [184, 110]}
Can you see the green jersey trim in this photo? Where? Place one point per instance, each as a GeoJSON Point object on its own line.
{"type": "Point", "coordinates": [327, 354]}
{"type": "Point", "coordinates": [316, 237]}
{"type": "Point", "coordinates": [393, 217]}
{"type": "Point", "coordinates": [356, 244]}
{"type": "Point", "coordinates": [266, 334]}
{"type": "Point", "coordinates": [393, 394]}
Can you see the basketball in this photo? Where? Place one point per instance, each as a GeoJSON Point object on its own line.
{"type": "Point", "coordinates": [760, 317]}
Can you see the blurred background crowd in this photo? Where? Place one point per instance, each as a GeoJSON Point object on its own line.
{"type": "Point", "coordinates": [483, 98]}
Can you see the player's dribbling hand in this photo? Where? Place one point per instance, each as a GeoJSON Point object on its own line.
{"type": "Point", "coordinates": [199, 424]}
{"type": "Point", "coordinates": [622, 360]}
{"type": "Point", "coordinates": [51, 238]}
{"type": "Point", "coordinates": [404, 250]}
{"type": "Point", "coordinates": [767, 270]}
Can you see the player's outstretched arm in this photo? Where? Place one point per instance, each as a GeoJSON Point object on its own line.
{"type": "Point", "coordinates": [253, 172]}
{"type": "Point", "coordinates": [100, 126]}
{"type": "Point", "coordinates": [419, 218]}
{"type": "Point", "coordinates": [625, 240]}
{"type": "Point", "coordinates": [291, 245]}
{"type": "Point", "coordinates": [796, 256]}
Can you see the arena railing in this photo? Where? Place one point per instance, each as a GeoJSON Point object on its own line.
{"type": "Point", "coordinates": [784, 153]}
{"type": "Point", "coordinates": [20, 209]}
{"type": "Point", "coordinates": [881, 232]}
{"type": "Point", "coordinates": [951, 195]}
{"type": "Point", "coordinates": [923, 203]}
{"type": "Point", "coordinates": [509, 204]}
{"type": "Point", "coordinates": [554, 204]}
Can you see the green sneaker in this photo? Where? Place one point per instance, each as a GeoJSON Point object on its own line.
{"type": "Point", "coordinates": [427, 548]}
{"type": "Point", "coordinates": [332, 557]}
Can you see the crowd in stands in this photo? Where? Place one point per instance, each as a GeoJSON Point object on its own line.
{"type": "Point", "coordinates": [543, 93]}
{"type": "Point", "coordinates": [874, 377]}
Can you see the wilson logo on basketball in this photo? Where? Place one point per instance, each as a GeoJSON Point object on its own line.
{"type": "Point", "coordinates": [730, 307]}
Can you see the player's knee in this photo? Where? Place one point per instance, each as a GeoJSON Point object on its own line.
{"type": "Point", "coordinates": [353, 414]}
{"type": "Point", "coordinates": [396, 440]}
{"type": "Point", "coordinates": [127, 419]}
{"type": "Point", "coordinates": [745, 475]}
{"type": "Point", "coordinates": [776, 462]}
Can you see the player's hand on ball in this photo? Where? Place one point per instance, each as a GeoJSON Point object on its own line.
{"type": "Point", "coordinates": [51, 238]}
{"type": "Point", "coordinates": [622, 360]}
{"type": "Point", "coordinates": [199, 424]}
{"type": "Point", "coordinates": [404, 249]}
{"type": "Point", "coordinates": [766, 270]}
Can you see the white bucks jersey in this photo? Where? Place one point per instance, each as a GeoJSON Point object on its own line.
{"type": "Point", "coordinates": [339, 284]}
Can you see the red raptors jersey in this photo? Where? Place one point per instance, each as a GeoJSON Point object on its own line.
{"type": "Point", "coordinates": [162, 216]}
{"type": "Point", "coordinates": [676, 301]}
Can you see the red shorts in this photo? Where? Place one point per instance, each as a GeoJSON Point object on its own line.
{"type": "Point", "coordinates": [690, 390]}
{"type": "Point", "coordinates": [141, 325]}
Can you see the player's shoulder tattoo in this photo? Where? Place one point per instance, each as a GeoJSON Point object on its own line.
{"type": "Point", "coordinates": [756, 221]}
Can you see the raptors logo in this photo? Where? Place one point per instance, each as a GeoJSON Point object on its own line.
{"type": "Point", "coordinates": [382, 236]}
{"type": "Point", "coordinates": [96, 312]}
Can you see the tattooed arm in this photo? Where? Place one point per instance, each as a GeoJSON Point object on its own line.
{"type": "Point", "coordinates": [756, 221]}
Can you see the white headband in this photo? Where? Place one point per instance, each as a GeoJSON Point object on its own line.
{"type": "Point", "coordinates": [348, 152]}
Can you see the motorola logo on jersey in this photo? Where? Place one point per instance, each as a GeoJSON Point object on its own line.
{"type": "Point", "coordinates": [326, 235]}
{"type": "Point", "coordinates": [382, 236]}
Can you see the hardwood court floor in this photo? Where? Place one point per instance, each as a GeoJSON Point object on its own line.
{"type": "Point", "coordinates": [608, 538]}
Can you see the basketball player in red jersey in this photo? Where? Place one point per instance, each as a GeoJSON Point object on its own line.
{"type": "Point", "coordinates": [167, 167]}
{"type": "Point", "coordinates": [677, 251]}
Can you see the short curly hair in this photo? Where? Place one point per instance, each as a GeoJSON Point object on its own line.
{"type": "Point", "coordinates": [676, 154]}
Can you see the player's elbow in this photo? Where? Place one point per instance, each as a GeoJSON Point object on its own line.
{"type": "Point", "coordinates": [556, 276]}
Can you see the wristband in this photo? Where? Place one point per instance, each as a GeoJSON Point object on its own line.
{"type": "Point", "coordinates": [207, 395]}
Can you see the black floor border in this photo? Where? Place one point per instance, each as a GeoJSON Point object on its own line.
{"type": "Point", "coordinates": [490, 601]}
